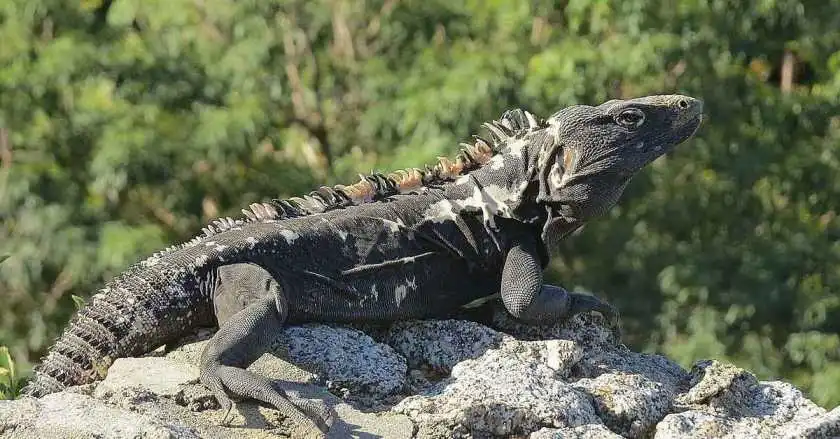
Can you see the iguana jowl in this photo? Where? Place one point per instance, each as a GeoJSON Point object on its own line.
{"type": "Point", "coordinates": [408, 250]}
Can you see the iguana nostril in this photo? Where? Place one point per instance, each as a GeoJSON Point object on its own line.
{"type": "Point", "coordinates": [683, 104]}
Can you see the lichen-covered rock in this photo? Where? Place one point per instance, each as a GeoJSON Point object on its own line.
{"type": "Point", "coordinates": [513, 389]}
{"type": "Point", "coordinates": [441, 344]}
{"type": "Point", "coordinates": [74, 415]}
{"type": "Point", "coordinates": [352, 363]}
{"type": "Point", "coordinates": [632, 391]}
{"type": "Point", "coordinates": [576, 381]}
{"type": "Point", "coordinates": [341, 358]}
{"type": "Point", "coordinates": [630, 404]}
{"type": "Point", "coordinates": [588, 431]}
{"type": "Point", "coordinates": [822, 426]}
{"type": "Point", "coordinates": [160, 376]}
{"type": "Point", "coordinates": [160, 397]}
{"type": "Point", "coordinates": [590, 331]}
{"type": "Point", "coordinates": [728, 402]}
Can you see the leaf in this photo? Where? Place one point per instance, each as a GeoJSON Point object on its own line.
{"type": "Point", "coordinates": [3, 258]}
{"type": "Point", "coordinates": [6, 361]}
{"type": "Point", "coordinates": [8, 380]}
{"type": "Point", "coordinates": [78, 301]}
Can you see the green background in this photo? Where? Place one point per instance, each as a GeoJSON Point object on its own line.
{"type": "Point", "coordinates": [126, 125]}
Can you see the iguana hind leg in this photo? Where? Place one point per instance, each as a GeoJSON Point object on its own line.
{"type": "Point", "coordinates": [250, 323]}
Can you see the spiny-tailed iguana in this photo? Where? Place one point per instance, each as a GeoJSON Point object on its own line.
{"type": "Point", "coordinates": [409, 245]}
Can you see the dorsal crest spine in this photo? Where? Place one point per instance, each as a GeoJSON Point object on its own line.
{"type": "Point", "coordinates": [513, 124]}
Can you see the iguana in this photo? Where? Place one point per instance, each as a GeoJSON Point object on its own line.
{"type": "Point", "coordinates": [409, 245]}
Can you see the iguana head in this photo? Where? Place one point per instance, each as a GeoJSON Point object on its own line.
{"type": "Point", "coordinates": [596, 150]}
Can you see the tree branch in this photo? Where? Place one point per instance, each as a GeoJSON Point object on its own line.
{"type": "Point", "coordinates": [312, 121]}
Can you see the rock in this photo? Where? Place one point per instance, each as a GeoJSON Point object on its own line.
{"type": "Point", "coordinates": [632, 391]}
{"type": "Point", "coordinates": [436, 379]}
{"type": "Point", "coordinates": [589, 431]}
{"type": "Point", "coordinates": [729, 402]}
{"type": "Point", "coordinates": [508, 390]}
{"type": "Point", "coordinates": [160, 396]}
{"type": "Point", "coordinates": [69, 414]}
{"type": "Point", "coordinates": [345, 357]}
{"type": "Point", "coordinates": [161, 376]}
{"type": "Point", "coordinates": [441, 344]}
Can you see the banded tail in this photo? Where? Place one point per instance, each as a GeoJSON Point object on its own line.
{"type": "Point", "coordinates": [136, 312]}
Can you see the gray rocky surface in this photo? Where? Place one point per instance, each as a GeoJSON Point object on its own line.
{"type": "Point", "coordinates": [437, 379]}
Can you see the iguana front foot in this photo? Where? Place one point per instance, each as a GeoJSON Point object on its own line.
{"type": "Point", "coordinates": [586, 302]}
{"type": "Point", "coordinates": [529, 300]}
{"type": "Point", "coordinates": [567, 304]}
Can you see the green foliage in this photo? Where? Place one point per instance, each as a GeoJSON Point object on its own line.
{"type": "Point", "coordinates": [10, 382]}
{"type": "Point", "coordinates": [78, 302]}
{"type": "Point", "coordinates": [126, 124]}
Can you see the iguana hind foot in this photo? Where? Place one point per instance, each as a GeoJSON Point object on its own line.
{"type": "Point", "coordinates": [247, 384]}
{"type": "Point", "coordinates": [245, 336]}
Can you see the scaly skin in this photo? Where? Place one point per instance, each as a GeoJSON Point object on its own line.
{"type": "Point", "coordinates": [421, 251]}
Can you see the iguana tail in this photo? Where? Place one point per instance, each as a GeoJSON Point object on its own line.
{"type": "Point", "coordinates": [143, 308]}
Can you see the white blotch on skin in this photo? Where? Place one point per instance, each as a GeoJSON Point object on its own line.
{"type": "Point", "coordinates": [640, 145]}
{"type": "Point", "coordinates": [497, 162]}
{"type": "Point", "coordinates": [489, 206]}
{"type": "Point", "coordinates": [393, 226]}
{"type": "Point", "coordinates": [411, 282]}
{"type": "Point", "coordinates": [220, 247]}
{"type": "Point", "coordinates": [555, 176]}
{"type": "Point", "coordinates": [201, 260]}
{"type": "Point", "coordinates": [177, 291]}
{"type": "Point", "coordinates": [400, 293]}
{"type": "Point", "coordinates": [289, 235]}
{"type": "Point", "coordinates": [491, 201]}
{"type": "Point", "coordinates": [210, 243]}
{"type": "Point", "coordinates": [440, 211]}
{"type": "Point", "coordinates": [554, 129]}
{"type": "Point", "coordinates": [516, 147]}
{"type": "Point", "coordinates": [252, 242]}
{"type": "Point", "coordinates": [373, 293]}
{"type": "Point", "coordinates": [342, 235]}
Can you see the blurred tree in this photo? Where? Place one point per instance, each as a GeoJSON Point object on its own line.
{"type": "Point", "coordinates": [126, 124]}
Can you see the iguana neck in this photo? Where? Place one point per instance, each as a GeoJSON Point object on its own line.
{"type": "Point", "coordinates": [505, 187]}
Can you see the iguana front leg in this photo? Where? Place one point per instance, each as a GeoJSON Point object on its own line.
{"type": "Point", "coordinates": [528, 299]}
{"type": "Point", "coordinates": [251, 309]}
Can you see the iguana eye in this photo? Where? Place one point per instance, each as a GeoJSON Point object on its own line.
{"type": "Point", "coordinates": [631, 118]}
